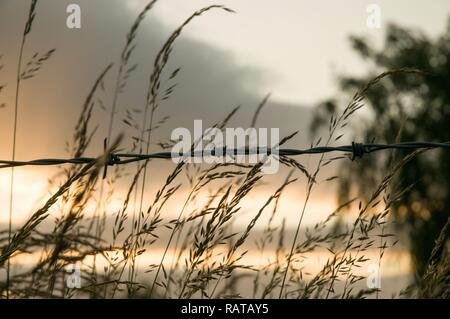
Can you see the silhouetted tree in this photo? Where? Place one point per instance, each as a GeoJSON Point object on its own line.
{"type": "Point", "coordinates": [404, 107]}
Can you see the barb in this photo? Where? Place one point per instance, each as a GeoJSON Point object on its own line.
{"type": "Point", "coordinates": [355, 149]}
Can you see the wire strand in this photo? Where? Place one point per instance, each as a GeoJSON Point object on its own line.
{"type": "Point", "coordinates": [357, 150]}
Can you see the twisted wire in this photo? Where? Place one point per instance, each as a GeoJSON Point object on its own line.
{"type": "Point", "coordinates": [357, 150]}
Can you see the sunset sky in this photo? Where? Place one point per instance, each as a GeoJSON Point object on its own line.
{"type": "Point", "coordinates": [292, 49]}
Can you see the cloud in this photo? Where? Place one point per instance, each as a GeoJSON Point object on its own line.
{"type": "Point", "coordinates": [210, 83]}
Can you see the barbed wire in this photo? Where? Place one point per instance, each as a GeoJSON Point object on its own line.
{"type": "Point", "coordinates": [356, 149]}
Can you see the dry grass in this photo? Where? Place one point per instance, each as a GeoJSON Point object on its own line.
{"type": "Point", "coordinates": [205, 249]}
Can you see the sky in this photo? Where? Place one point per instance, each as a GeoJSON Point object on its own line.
{"type": "Point", "coordinates": [293, 49]}
{"type": "Point", "coordinates": [299, 44]}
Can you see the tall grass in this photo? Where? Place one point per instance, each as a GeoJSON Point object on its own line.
{"type": "Point", "coordinates": [29, 72]}
{"type": "Point", "coordinates": [204, 248]}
